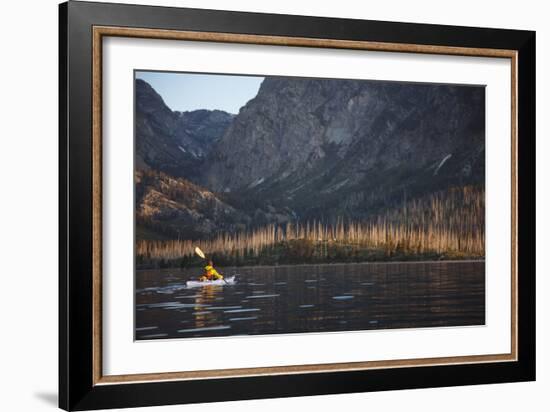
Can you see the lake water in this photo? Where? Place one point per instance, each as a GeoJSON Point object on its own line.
{"type": "Point", "coordinates": [310, 298]}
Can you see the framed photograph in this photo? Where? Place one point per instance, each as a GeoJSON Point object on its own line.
{"type": "Point", "coordinates": [286, 205]}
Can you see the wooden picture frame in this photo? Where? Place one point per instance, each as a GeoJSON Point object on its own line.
{"type": "Point", "coordinates": [82, 384]}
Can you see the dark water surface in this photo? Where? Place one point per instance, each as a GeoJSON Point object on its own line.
{"type": "Point", "coordinates": [311, 298]}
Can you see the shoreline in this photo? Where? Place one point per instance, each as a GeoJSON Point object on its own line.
{"type": "Point", "coordinates": [332, 264]}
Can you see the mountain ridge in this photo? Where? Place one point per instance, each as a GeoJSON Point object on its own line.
{"type": "Point", "coordinates": [172, 141]}
{"type": "Point", "coordinates": [317, 141]}
{"type": "Point", "coordinates": [320, 149]}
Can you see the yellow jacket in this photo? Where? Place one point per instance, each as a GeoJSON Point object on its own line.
{"type": "Point", "coordinates": [210, 273]}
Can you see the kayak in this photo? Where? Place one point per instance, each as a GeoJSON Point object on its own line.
{"type": "Point", "coordinates": [197, 283]}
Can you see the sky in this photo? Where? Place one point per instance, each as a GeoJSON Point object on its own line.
{"type": "Point", "coordinates": [190, 91]}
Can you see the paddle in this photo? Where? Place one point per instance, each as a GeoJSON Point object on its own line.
{"type": "Point", "coordinates": [201, 254]}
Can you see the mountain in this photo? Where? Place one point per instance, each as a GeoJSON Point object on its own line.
{"type": "Point", "coordinates": [321, 148]}
{"type": "Point", "coordinates": [303, 149]}
{"type": "Point", "coordinates": [168, 206]}
{"type": "Point", "coordinates": [171, 141]}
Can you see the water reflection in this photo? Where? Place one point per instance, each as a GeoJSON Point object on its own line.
{"type": "Point", "coordinates": [318, 298]}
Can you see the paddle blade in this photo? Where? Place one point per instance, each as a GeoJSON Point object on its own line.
{"type": "Point", "coordinates": [199, 252]}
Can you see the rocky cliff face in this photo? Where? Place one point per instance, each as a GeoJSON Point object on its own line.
{"type": "Point", "coordinates": [174, 142]}
{"type": "Point", "coordinates": [294, 124]}
{"type": "Point", "coordinates": [321, 147]}
{"type": "Point", "coordinates": [314, 149]}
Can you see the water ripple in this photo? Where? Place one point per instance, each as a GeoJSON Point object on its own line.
{"type": "Point", "coordinates": [262, 296]}
{"type": "Point", "coordinates": [343, 297]}
{"type": "Point", "coordinates": [241, 310]}
{"type": "Point", "coordinates": [245, 318]}
{"type": "Point", "coordinates": [205, 329]}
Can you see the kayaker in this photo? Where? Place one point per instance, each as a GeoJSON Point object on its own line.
{"type": "Point", "coordinates": [210, 273]}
